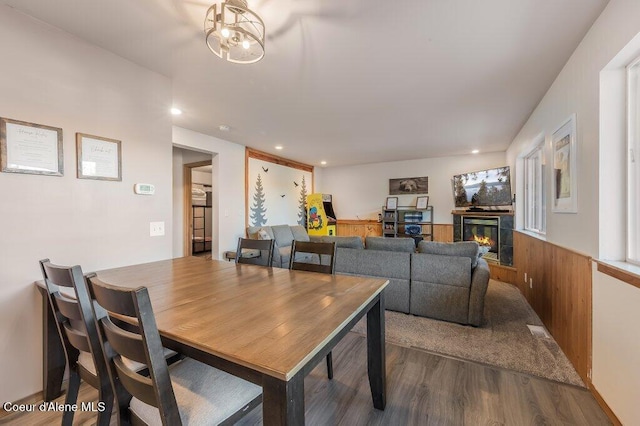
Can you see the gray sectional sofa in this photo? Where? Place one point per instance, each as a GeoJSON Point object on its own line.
{"type": "Point", "coordinates": [446, 281]}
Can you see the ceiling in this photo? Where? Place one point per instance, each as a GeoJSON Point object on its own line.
{"type": "Point", "coordinates": [348, 81]}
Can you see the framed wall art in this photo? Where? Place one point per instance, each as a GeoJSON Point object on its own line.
{"type": "Point", "coordinates": [413, 185]}
{"type": "Point", "coordinates": [422, 202]}
{"type": "Point", "coordinates": [392, 203]}
{"type": "Point", "coordinates": [30, 148]}
{"type": "Point", "coordinates": [565, 179]}
{"type": "Point", "coordinates": [98, 157]}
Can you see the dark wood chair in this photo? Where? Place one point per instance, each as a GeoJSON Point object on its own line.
{"type": "Point", "coordinates": [79, 335]}
{"type": "Point", "coordinates": [256, 252]}
{"type": "Point", "coordinates": [205, 395]}
{"type": "Point", "coordinates": [325, 254]}
{"type": "Point", "coordinates": [322, 253]}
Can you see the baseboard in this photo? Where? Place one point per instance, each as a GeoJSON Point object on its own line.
{"type": "Point", "coordinates": [605, 407]}
{"type": "Point", "coordinates": [31, 399]}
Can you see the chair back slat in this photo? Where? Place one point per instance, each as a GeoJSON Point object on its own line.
{"type": "Point", "coordinates": [324, 253]}
{"type": "Point", "coordinates": [67, 307]}
{"type": "Point", "coordinates": [136, 304]}
{"type": "Point", "coordinates": [255, 252]}
{"type": "Point", "coordinates": [77, 338]}
{"type": "Point", "coordinates": [135, 384]}
{"type": "Point", "coordinates": [114, 299]}
{"type": "Point", "coordinates": [124, 342]}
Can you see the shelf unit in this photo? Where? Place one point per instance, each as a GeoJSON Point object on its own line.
{"type": "Point", "coordinates": [201, 240]}
{"type": "Point", "coordinates": [408, 221]}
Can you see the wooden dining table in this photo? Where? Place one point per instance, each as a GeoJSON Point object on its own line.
{"type": "Point", "coordinates": [270, 326]}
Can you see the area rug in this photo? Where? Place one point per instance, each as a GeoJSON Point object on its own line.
{"type": "Point", "coordinates": [503, 340]}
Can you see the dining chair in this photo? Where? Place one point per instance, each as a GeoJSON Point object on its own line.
{"type": "Point", "coordinates": [255, 252]}
{"type": "Point", "coordinates": [187, 392]}
{"type": "Point", "coordinates": [304, 255]}
{"type": "Point", "coordinates": [79, 335]}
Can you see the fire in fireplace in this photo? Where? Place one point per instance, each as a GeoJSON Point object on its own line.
{"type": "Point", "coordinates": [485, 231]}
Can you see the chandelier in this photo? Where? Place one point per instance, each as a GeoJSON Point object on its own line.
{"type": "Point", "coordinates": [234, 32]}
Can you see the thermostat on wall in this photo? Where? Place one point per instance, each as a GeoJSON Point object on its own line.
{"type": "Point", "coordinates": [144, 189]}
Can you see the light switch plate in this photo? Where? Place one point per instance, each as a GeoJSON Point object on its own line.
{"type": "Point", "coordinates": [156, 229]}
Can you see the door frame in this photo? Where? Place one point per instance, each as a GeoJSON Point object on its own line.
{"type": "Point", "coordinates": [187, 182]}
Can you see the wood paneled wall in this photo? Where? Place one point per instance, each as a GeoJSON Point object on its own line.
{"type": "Point", "coordinates": [364, 228]}
{"type": "Point", "coordinates": [558, 287]}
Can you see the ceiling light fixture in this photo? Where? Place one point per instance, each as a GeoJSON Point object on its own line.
{"type": "Point", "coordinates": [324, 163]}
{"type": "Point", "coordinates": [176, 111]}
{"type": "Point", "coordinates": [475, 151]}
{"type": "Point", "coordinates": [224, 128]}
{"type": "Point", "coordinates": [234, 32]}
{"type": "Point", "coordinates": [278, 147]}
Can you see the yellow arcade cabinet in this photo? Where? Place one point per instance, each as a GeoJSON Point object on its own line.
{"type": "Point", "coordinates": [321, 220]}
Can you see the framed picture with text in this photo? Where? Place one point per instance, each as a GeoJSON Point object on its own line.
{"type": "Point", "coordinates": [98, 157]}
{"type": "Point", "coordinates": [422, 202]}
{"type": "Point", "coordinates": [30, 148]}
{"type": "Point", "coordinates": [392, 203]}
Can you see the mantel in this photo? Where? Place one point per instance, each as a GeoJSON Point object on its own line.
{"type": "Point", "coordinates": [482, 213]}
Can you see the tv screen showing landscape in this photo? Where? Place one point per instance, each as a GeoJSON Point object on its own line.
{"type": "Point", "coordinates": [484, 188]}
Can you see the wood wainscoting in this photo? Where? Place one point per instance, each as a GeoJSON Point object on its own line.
{"type": "Point", "coordinates": [358, 228]}
{"type": "Point", "coordinates": [442, 232]}
{"type": "Point", "coordinates": [556, 282]}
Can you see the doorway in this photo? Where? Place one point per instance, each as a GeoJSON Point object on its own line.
{"type": "Point", "coordinates": [193, 209]}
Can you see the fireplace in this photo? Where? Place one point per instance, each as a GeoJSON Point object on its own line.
{"type": "Point", "coordinates": [491, 229]}
{"type": "Point", "coordinates": [484, 231]}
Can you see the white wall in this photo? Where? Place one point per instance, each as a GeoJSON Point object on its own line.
{"type": "Point", "coordinates": [228, 198]}
{"type": "Point", "coordinates": [359, 192]}
{"type": "Point", "coordinates": [52, 78]}
{"type": "Point", "coordinates": [578, 89]}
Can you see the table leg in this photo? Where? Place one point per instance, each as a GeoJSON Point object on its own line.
{"type": "Point", "coordinates": [376, 355]}
{"type": "Point", "coordinates": [53, 359]}
{"type": "Point", "coordinates": [283, 401]}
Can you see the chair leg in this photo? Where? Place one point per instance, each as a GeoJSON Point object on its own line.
{"type": "Point", "coordinates": [104, 417]}
{"type": "Point", "coordinates": [330, 366]}
{"type": "Point", "coordinates": [72, 396]}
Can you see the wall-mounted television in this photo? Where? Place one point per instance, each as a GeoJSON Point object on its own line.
{"type": "Point", "coordinates": [484, 188]}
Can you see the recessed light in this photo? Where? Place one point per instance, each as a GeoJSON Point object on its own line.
{"type": "Point", "coordinates": [324, 163]}
{"type": "Point", "coordinates": [224, 128]}
{"type": "Point", "coordinates": [475, 151]}
{"type": "Point", "coordinates": [176, 111]}
{"type": "Point", "coordinates": [279, 147]}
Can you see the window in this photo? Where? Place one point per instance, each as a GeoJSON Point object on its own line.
{"type": "Point", "coordinates": [534, 190]}
{"type": "Point", "coordinates": [633, 163]}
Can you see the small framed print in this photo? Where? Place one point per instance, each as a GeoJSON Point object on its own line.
{"type": "Point", "coordinates": [422, 202]}
{"type": "Point", "coordinates": [98, 157]}
{"type": "Point", "coordinates": [30, 148]}
{"type": "Point", "coordinates": [392, 203]}
{"type": "Point", "coordinates": [565, 181]}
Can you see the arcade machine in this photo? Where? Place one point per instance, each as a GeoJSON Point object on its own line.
{"type": "Point", "coordinates": [321, 220]}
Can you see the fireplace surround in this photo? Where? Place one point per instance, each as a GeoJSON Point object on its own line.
{"type": "Point", "coordinates": [491, 229]}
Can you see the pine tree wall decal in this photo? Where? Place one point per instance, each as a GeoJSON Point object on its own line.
{"type": "Point", "coordinates": [258, 211]}
{"type": "Point", "coordinates": [302, 204]}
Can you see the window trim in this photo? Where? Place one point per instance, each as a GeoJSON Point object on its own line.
{"type": "Point", "coordinates": [633, 162]}
{"type": "Point", "coordinates": [538, 149]}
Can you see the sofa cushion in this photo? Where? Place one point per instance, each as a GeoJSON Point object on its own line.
{"type": "Point", "coordinates": [283, 235]}
{"type": "Point", "coordinates": [263, 235]}
{"type": "Point", "coordinates": [299, 233]}
{"type": "Point", "coordinates": [437, 269]}
{"type": "Point", "coordinates": [373, 263]}
{"type": "Point", "coordinates": [348, 242]}
{"type": "Point", "coordinates": [469, 249]}
{"type": "Point", "coordinates": [406, 245]}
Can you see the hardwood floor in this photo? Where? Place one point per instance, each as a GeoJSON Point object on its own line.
{"type": "Point", "coordinates": [422, 389]}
